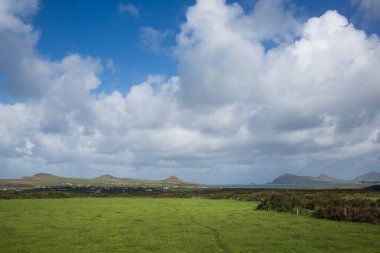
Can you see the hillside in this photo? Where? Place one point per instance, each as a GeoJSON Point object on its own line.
{"type": "Point", "coordinates": [177, 181]}
{"type": "Point", "coordinates": [369, 177]}
{"type": "Point", "coordinates": [44, 180]}
{"type": "Point", "coordinates": [294, 179]}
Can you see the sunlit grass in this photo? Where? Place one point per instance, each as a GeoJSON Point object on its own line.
{"type": "Point", "coordinates": [171, 225]}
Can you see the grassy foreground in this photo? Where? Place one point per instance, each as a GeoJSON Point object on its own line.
{"type": "Point", "coordinates": [171, 225]}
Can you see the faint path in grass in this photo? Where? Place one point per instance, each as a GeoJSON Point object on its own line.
{"type": "Point", "coordinates": [214, 232]}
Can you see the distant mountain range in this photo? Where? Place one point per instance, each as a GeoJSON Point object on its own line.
{"type": "Point", "coordinates": [371, 177]}
{"type": "Point", "coordinates": [45, 179]}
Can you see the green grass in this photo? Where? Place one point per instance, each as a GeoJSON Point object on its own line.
{"type": "Point", "coordinates": [171, 225]}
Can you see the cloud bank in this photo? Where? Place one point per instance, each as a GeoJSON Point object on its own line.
{"type": "Point", "coordinates": [252, 99]}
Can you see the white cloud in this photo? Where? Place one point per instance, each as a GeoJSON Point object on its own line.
{"type": "Point", "coordinates": [238, 111]}
{"type": "Point", "coordinates": [327, 71]}
{"type": "Point", "coordinates": [368, 9]}
{"type": "Point", "coordinates": [282, 25]}
{"type": "Point", "coordinates": [128, 8]}
{"type": "Point", "coordinates": [231, 43]}
{"type": "Point", "coordinates": [13, 14]}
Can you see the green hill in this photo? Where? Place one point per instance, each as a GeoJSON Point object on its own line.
{"type": "Point", "coordinates": [45, 179]}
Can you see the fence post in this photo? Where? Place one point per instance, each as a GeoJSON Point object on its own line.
{"type": "Point", "coordinates": [297, 210]}
{"type": "Point", "coordinates": [345, 213]}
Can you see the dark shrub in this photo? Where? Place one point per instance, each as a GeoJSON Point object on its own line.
{"type": "Point", "coordinates": [324, 205]}
{"type": "Point", "coordinates": [281, 202]}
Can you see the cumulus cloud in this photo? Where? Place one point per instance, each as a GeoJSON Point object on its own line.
{"type": "Point", "coordinates": [237, 111]}
{"type": "Point", "coordinates": [18, 62]}
{"type": "Point", "coordinates": [220, 31]}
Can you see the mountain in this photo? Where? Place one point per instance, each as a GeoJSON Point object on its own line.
{"type": "Point", "coordinates": [369, 177]}
{"type": "Point", "coordinates": [325, 178]}
{"type": "Point", "coordinates": [106, 177]}
{"type": "Point", "coordinates": [172, 178]}
{"type": "Point", "coordinates": [177, 181]}
{"type": "Point", "coordinates": [294, 179]}
{"type": "Point", "coordinates": [45, 179]}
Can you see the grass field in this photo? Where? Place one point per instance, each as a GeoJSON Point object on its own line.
{"type": "Point", "coordinates": [171, 225]}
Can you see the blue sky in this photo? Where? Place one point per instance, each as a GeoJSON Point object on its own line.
{"type": "Point", "coordinates": [100, 29]}
{"type": "Point", "coordinates": [212, 91]}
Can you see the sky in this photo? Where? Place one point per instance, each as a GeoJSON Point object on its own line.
{"type": "Point", "coordinates": [212, 91]}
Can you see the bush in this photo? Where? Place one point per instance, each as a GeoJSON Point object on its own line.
{"type": "Point", "coordinates": [324, 205]}
{"type": "Point", "coordinates": [281, 202]}
{"type": "Point", "coordinates": [360, 210]}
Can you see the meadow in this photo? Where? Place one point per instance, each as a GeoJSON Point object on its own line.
{"type": "Point", "coordinates": [171, 225]}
